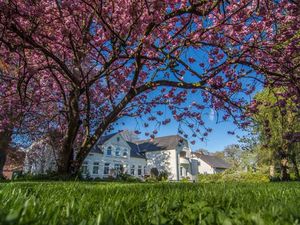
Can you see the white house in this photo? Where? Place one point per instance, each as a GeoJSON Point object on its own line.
{"type": "Point", "coordinates": [208, 164]}
{"type": "Point", "coordinates": [40, 158]}
{"type": "Point", "coordinates": [169, 153]}
{"type": "Point", "coordinates": [114, 154]}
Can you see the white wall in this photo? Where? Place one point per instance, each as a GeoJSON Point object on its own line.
{"type": "Point", "coordinates": [204, 168]}
{"type": "Point", "coordinates": [163, 161]}
{"type": "Point", "coordinates": [116, 142]}
{"type": "Point", "coordinates": [40, 158]}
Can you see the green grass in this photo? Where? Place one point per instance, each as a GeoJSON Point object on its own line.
{"type": "Point", "coordinates": [164, 203]}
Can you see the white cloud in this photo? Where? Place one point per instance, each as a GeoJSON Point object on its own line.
{"type": "Point", "coordinates": [212, 115]}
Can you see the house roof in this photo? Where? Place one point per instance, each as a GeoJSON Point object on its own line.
{"type": "Point", "coordinates": [160, 143]}
{"type": "Point", "coordinates": [105, 138]}
{"type": "Point", "coordinates": [134, 150]}
{"type": "Point", "coordinates": [102, 140]}
{"type": "Point", "coordinates": [142, 146]}
{"type": "Point", "coordinates": [213, 161]}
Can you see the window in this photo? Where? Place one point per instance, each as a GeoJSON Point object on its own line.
{"type": "Point", "coordinates": [84, 167]}
{"type": "Point", "coordinates": [96, 168]}
{"type": "Point", "coordinates": [118, 138]}
{"type": "Point", "coordinates": [125, 168]}
{"type": "Point", "coordinates": [139, 170]}
{"type": "Point", "coordinates": [118, 152]}
{"type": "Point", "coordinates": [108, 151]}
{"type": "Point", "coordinates": [118, 168]}
{"type": "Point", "coordinates": [91, 154]}
{"type": "Point", "coordinates": [106, 168]}
{"type": "Point", "coordinates": [181, 171]}
{"type": "Point", "coordinates": [132, 169]}
{"type": "Point", "coordinates": [125, 153]}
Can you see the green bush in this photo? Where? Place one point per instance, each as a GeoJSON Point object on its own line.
{"type": "Point", "coordinates": [46, 177]}
{"type": "Point", "coordinates": [233, 177]}
{"type": "Point", "coordinates": [128, 178]}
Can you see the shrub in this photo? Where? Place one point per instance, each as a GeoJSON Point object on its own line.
{"type": "Point", "coordinates": [185, 180]}
{"type": "Point", "coordinates": [233, 177]}
{"type": "Point", "coordinates": [163, 176]}
{"type": "Point", "coordinates": [51, 176]}
{"type": "Point", "coordinates": [128, 178]}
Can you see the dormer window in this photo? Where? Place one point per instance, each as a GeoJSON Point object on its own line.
{"type": "Point", "coordinates": [108, 151]}
{"type": "Point", "coordinates": [118, 152]}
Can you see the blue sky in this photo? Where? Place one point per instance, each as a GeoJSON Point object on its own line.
{"type": "Point", "coordinates": [216, 141]}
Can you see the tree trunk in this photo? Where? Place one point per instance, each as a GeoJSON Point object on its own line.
{"type": "Point", "coordinates": [272, 171]}
{"type": "Point", "coordinates": [5, 139]}
{"type": "Point", "coordinates": [284, 175]}
{"type": "Point", "coordinates": [66, 153]}
{"type": "Point", "coordinates": [295, 166]}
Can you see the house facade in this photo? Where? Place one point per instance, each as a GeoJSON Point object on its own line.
{"type": "Point", "coordinates": [208, 164]}
{"type": "Point", "coordinates": [113, 155]}
{"type": "Point", "coordinates": [40, 158]}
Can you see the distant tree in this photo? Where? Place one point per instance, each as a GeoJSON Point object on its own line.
{"type": "Point", "coordinates": [219, 154]}
{"type": "Point", "coordinates": [275, 117]}
{"type": "Point", "coordinates": [233, 155]}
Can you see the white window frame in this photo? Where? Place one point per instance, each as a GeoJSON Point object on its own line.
{"type": "Point", "coordinates": [96, 165]}
{"type": "Point", "coordinates": [140, 172]}
{"type": "Point", "coordinates": [84, 168]}
{"type": "Point", "coordinates": [118, 152]}
{"type": "Point", "coordinates": [106, 166]}
{"type": "Point", "coordinates": [132, 170]}
{"type": "Point", "coordinates": [109, 148]}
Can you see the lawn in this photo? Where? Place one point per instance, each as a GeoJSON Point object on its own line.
{"type": "Point", "coordinates": [164, 203]}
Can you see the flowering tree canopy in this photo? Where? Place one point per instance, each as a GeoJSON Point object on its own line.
{"type": "Point", "coordinates": [98, 61]}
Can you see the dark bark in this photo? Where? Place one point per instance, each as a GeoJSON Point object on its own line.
{"type": "Point", "coordinates": [5, 140]}
{"type": "Point", "coordinates": [284, 175]}
{"type": "Point", "coordinates": [67, 151]}
{"type": "Point", "coordinates": [295, 166]}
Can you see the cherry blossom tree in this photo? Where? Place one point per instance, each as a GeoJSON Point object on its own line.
{"type": "Point", "coordinates": [21, 105]}
{"type": "Point", "coordinates": [99, 61]}
{"type": "Point", "coordinates": [279, 59]}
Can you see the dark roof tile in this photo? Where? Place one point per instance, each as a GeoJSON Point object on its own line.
{"type": "Point", "coordinates": [213, 161]}
{"type": "Point", "coordinates": [160, 143]}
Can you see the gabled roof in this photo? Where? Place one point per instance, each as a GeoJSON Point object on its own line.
{"type": "Point", "coordinates": [134, 150]}
{"type": "Point", "coordinates": [102, 140]}
{"type": "Point", "coordinates": [105, 138]}
{"type": "Point", "coordinates": [140, 147]}
{"type": "Point", "coordinates": [160, 143]}
{"type": "Point", "coordinates": [213, 161]}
